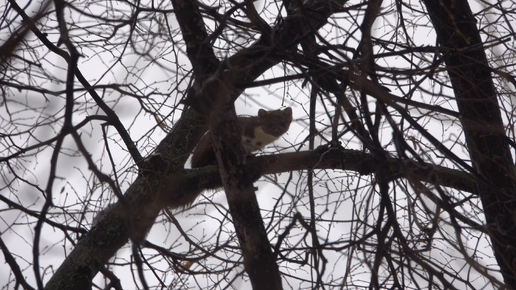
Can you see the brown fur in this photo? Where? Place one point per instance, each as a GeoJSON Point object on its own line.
{"type": "Point", "coordinates": [258, 131]}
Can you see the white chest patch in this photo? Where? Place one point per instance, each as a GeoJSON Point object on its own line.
{"type": "Point", "coordinates": [259, 141]}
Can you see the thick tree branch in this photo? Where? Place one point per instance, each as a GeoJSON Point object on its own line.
{"type": "Point", "coordinates": [249, 63]}
{"type": "Point", "coordinates": [134, 220]}
{"type": "Point", "coordinates": [112, 231]}
{"type": "Point", "coordinates": [198, 48]}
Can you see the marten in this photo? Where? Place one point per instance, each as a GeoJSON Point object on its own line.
{"type": "Point", "coordinates": [257, 132]}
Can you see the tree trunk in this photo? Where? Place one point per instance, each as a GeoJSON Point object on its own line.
{"type": "Point", "coordinates": [481, 119]}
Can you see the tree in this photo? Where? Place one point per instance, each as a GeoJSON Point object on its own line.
{"type": "Point", "coordinates": [397, 172]}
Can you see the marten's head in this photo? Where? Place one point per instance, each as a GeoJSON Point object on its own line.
{"type": "Point", "coordinates": [275, 123]}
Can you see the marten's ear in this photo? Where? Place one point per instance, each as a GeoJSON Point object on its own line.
{"type": "Point", "coordinates": [288, 112]}
{"type": "Point", "coordinates": [262, 113]}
